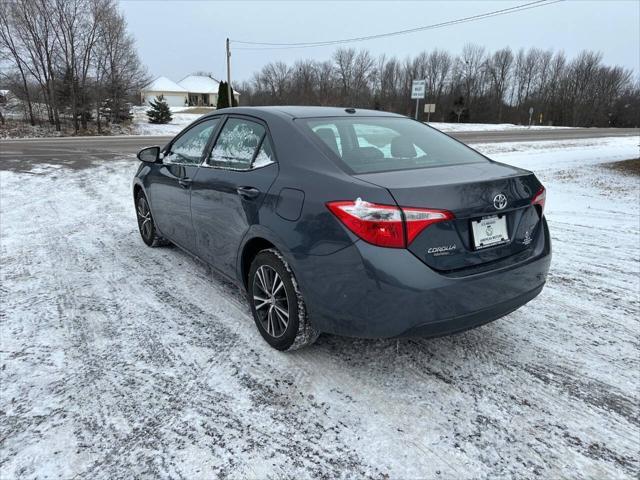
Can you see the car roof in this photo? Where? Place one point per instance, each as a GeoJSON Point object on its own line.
{"type": "Point", "coordinates": [293, 111]}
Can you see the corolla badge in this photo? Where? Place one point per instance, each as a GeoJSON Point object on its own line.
{"type": "Point", "coordinates": [443, 250]}
{"type": "Point", "coordinates": [500, 201]}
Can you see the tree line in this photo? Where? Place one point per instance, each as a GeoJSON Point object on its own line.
{"type": "Point", "coordinates": [474, 86]}
{"type": "Point", "coordinates": [69, 60]}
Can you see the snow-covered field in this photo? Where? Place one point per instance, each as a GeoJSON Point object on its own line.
{"type": "Point", "coordinates": [486, 127]}
{"type": "Point", "coordinates": [561, 154]}
{"type": "Point", "coordinates": [120, 361]}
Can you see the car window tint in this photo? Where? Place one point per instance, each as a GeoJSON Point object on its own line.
{"type": "Point", "coordinates": [329, 134]}
{"type": "Point", "coordinates": [375, 136]}
{"type": "Point", "coordinates": [237, 144]}
{"type": "Point", "coordinates": [380, 138]}
{"type": "Point", "coordinates": [372, 144]}
{"type": "Point", "coordinates": [188, 148]}
{"type": "Point", "coordinates": [265, 154]}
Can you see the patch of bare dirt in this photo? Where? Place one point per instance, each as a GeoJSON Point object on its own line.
{"type": "Point", "coordinates": [631, 167]}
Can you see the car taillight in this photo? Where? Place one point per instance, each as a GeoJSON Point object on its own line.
{"type": "Point", "coordinates": [539, 199]}
{"type": "Point", "coordinates": [417, 219]}
{"type": "Point", "coordinates": [386, 225]}
{"type": "Point", "coordinates": [377, 224]}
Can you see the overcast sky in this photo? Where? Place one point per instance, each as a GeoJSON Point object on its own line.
{"type": "Point", "coordinates": [176, 38]}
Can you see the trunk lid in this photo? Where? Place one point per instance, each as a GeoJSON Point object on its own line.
{"type": "Point", "coordinates": [468, 191]}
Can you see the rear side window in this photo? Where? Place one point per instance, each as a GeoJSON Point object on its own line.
{"type": "Point", "coordinates": [367, 145]}
{"type": "Point", "coordinates": [265, 155]}
{"type": "Point", "coordinates": [238, 144]}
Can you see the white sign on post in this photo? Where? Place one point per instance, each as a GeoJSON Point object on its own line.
{"type": "Point", "coordinates": [429, 108]}
{"type": "Point", "coordinates": [418, 89]}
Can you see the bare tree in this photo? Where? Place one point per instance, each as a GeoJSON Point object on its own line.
{"type": "Point", "coordinates": [344, 59]}
{"type": "Point", "coordinates": [75, 51]}
{"type": "Point", "coordinates": [363, 74]}
{"type": "Point", "coordinates": [438, 70]}
{"type": "Point", "coordinates": [326, 82]}
{"type": "Point", "coordinates": [276, 77]}
{"type": "Point", "coordinates": [471, 67]}
{"type": "Point", "coordinates": [122, 73]}
{"type": "Point", "coordinates": [499, 86]}
{"type": "Point", "coordinates": [525, 77]}
{"type": "Point", "coordinates": [499, 69]}
{"type": "Point", "coordinates": [9, 46]}
{"type": "Point", "coordinates": [304, 82]}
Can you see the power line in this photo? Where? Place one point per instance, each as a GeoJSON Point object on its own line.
{"type": "Point", "coordinates": [494, 13]}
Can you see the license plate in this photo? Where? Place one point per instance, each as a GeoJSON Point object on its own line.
{"type": "Point", "coordinates": [489, 231]}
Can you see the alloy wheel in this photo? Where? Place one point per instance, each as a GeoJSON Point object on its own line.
{"type": "Point", "coordinates": [270, 301]}
{"type": "Point", "coordinates": [144, 218]}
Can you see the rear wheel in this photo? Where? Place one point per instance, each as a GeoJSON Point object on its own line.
{"type": "Point", "coordinates": [277, 304]}
{"type": "Point", "coordinates": [146, 226]}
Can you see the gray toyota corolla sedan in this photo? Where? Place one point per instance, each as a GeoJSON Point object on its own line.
{"type": "Point", "coordinates": [350, 222]}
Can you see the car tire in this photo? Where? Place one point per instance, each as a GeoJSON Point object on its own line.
{"type": "Point", "coordinates": [277, 304]}
{"type": "Point", "coordinates": [146, 225]}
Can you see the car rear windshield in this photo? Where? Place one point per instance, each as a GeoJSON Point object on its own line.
{"type": "Point", "coordinates": [367, 145]}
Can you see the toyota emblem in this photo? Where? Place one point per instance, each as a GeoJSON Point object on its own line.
{"type": "Point", "coordinates": [500, 201]}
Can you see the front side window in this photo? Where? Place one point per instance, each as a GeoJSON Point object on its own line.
{"type": "Point", "coordinates": [189, 147]}
{"type": "Point", "coordinates": [367, 145]}
{"type": "Point", "coordinates": [239, 143]}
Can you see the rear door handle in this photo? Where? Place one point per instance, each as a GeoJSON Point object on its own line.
{"type": "Point", "coordinates": [185, 182]}
{"type": "Point", "coordinates": [248, 192]}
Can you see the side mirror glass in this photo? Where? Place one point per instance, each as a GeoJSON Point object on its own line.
{"type": "Point", "coordinates": [149, 154]}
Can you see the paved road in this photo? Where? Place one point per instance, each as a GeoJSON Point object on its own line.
{"type": "Point", "coordinates": [74, 152]}
{"type": "Point", "coordinates": [80, 152]}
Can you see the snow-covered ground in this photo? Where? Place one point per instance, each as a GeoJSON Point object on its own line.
{"type": "Point", "coordinates": [181, 117]}
{"type": "Point", "coordinates": [561, 154]}
{"type": "Point", "coordinates": [120, 361]}
{"type": "Point", "coordinates": [486, 127]}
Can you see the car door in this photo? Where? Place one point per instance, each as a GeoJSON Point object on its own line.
{"type": "Point", "coordinates": [170, 187]}
{"type": "Point", "coordinates": [229, 189]}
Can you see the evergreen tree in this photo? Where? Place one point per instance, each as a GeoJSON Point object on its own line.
{"type": "Point", "coordinates": [223, 96]}
{"type": "Point", "coordinates": [159, 111]}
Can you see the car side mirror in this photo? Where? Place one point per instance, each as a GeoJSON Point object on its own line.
{"type": "Point", "coordinates": [149, 154]}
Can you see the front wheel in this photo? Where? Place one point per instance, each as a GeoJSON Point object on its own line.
{"type": "Point", "coordinates": [146, 226]}
{"type": "Point", "coordinates": [277, 304]}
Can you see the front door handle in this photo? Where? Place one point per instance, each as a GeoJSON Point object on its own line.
{"type": "Point", "coordinates": [248, 192]}
{"type": "Point", "coordinates": [185, 182]}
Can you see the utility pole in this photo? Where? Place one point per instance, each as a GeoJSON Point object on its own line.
{"type": "Point", "coordinates": [229, 90]}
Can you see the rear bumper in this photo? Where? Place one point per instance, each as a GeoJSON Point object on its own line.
{"type": "Point", "coordinates": [371, 292]}
{"type": "Point", "coordinates": [467, 321]}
